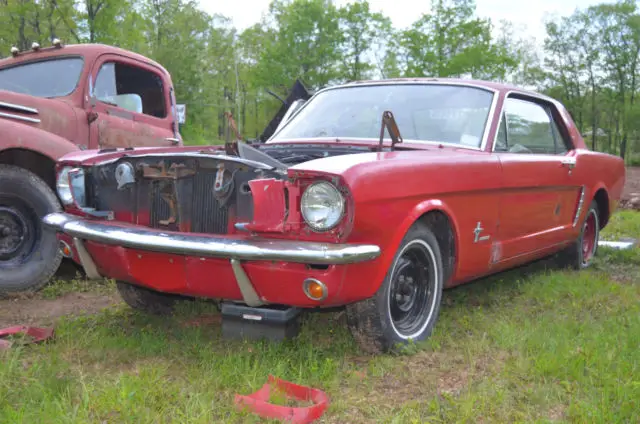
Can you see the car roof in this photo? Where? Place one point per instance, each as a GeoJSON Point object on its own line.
{"type": "Point", "coordinates": [491, 85]}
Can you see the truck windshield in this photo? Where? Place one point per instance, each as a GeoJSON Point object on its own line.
{"type": "Point", "coordinates": [441, 113]}
{"type": "Point", "coordinates": [47, 78]}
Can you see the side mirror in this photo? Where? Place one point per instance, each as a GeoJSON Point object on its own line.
{"type": "Point", "coordinates": [181, 112]}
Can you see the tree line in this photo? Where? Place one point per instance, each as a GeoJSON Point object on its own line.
{"type": "Point", "coordinates": [588, 60]}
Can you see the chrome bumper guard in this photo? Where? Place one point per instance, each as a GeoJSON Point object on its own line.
{"type": "Point", "coordinates": [150, 239]}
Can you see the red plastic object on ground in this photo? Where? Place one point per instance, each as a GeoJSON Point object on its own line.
{"type": "Point", "coordinates": [258, 402]}
{"type": "Point", "coordinates": [37, 334]}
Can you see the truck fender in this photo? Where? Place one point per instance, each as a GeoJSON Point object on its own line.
{"type": "Point", "coordinates": [20, 136]}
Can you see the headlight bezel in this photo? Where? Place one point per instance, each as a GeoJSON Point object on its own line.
{"type": "Point", "coordinates": [342, 206]}
{"type": "Point", "coordinates": [71, 186]}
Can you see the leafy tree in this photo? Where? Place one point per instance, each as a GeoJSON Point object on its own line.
{"type": "Point", "coordinates": [361, 29]}
{"type": "Point", "coordinates": [305, 43]}
{"type": "Point", "coordinates": [452, 42]}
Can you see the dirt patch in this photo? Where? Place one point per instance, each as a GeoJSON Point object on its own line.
{"type": "Point", "coordinates": [631, 194]}
{"type": "Point", "coordinates": [43, 312]}
{"type": "Point", "coordinates": [423, 375]}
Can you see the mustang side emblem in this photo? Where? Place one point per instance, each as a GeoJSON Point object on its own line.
{"type": "Point", "coordinates": [477, 233]}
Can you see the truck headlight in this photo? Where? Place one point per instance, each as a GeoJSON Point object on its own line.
{"type": "Point", "coordinates": [322, 206]}
{"type": "Point", "coordinates": [70, 186]}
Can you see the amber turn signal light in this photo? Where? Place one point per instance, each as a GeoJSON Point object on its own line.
{"type": "Point", "coordinates": [314, 289]}
{"type": "Point", "coordinates": [65, 249]}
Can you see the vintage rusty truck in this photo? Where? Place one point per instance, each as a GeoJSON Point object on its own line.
{"type": "Point", "coordinates": [56, 100]}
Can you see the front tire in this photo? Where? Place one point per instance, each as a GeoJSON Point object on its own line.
{"type": "Point", "coordinates": [407, 304]}
{"type": "Point", "coordinates": [147, 300]}
{"type": "Point", "coordinates": [29, 255]}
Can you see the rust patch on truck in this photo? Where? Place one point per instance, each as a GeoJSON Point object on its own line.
{"type": "Point", "coordinates": [134, 135]}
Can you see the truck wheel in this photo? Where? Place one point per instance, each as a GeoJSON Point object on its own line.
{"type": "Point", "coordinates": [29, 256]}
{"type": "Point", "coordinates": [407, 304]}
{"type": "Point", "coordinates": [147, 300]}
{"type": "Point", "coordinates": [580, 253]}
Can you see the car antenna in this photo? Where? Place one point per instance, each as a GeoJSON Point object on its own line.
{"type": "Point", "coordinates": [389, 122]}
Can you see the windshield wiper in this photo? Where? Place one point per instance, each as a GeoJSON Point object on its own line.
{"type": "Point", "coordinates": [389, 122]}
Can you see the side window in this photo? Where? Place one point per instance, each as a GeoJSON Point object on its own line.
{"type": "Point", "coordinates": [530, 129]}
{"type": "Point", "coordinates": [131, 88]}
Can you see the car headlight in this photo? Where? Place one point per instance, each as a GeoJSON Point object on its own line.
{"type": "Point", "coordinates": [70, 186]}
{"type": "Point", "coordinates": [322, 206]}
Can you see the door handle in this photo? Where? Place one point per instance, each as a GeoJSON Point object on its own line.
{"type": "Point", "coordinates": [174, 141]}
{"type": "Point", "coordinates": [569, 163]}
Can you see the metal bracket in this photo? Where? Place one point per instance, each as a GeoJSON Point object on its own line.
{"type": "Point", "coordinates": [389, 122]}
{"type": "Point", "coordinates": [249, 294]}
{"type": "Point", "coordinates": [86, 261]}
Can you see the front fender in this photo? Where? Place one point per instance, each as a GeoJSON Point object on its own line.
{"type": "Point", "coordinates": [390, 248]}
{"type": "Point", "coordinates": [15, 135]}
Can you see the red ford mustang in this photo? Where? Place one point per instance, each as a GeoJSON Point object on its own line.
{"type": "Point", "coordinates": [375, 195]}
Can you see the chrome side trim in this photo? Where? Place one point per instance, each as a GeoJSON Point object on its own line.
{"type": "Point", "coordinates": [579, 208]}
{"type": "Point", "coordinates": [249, 294]}
{"type": "Point", "coordinates": [19, 108]}
{"type": "Point", "coordinates": [19, 117]}
{"type": "Point", "coordinates": [257, 249]}
{"type": "Point", "coordinates": [86, 261]}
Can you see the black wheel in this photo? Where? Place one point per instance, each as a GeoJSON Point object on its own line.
{"type": "Point", "coordinates": [580, 253]}
{"type": "Point", "coordinates": [29, 255]}
{"type": "Point", "coordinates": [407, 304]}
{"type": "Point", "coordinates": [147, 300]}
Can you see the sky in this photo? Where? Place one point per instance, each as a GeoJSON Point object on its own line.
{"type": "Point", "coordinates": [526, 16]}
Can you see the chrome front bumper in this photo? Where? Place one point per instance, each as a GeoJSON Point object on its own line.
{"type": "Point", "coordinates": [144, 238]}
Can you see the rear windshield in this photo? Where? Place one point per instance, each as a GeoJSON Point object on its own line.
{"type": "Point", "coordinates": [47, 78]}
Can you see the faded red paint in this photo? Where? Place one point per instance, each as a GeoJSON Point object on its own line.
{"type": "Point", "coordinates": [525, 204]}
{"type": "Point", "coordinates": [270, 216]}
{"type": "Point", "coordinates": [64, 126]}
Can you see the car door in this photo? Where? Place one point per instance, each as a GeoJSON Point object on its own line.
{"type": "Point", "coordinates": [540, 192]}
{"type": "Point", "coordinates": [128, 105]}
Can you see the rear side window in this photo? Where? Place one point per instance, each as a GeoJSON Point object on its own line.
{"type": "Point", "coordinates": [131, 88]}
{"type": "Point", "coordinates": [46, 78]}
{"type": "Point", "coordinates": [527, 127]}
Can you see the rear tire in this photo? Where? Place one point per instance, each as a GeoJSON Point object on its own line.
{"type": "Point", "coordinates": [580, 253]}
{"type": "Point", "coordinates": [406, 306]}
{"type": "Point", "coordinates": [147, 300]}
{"type": "Point", "coordinates": [29, 254]}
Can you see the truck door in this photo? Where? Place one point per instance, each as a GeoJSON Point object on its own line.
{"type": "Point", "coordinates": [129, 105]}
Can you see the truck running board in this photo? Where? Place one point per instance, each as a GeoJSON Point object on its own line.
{"type": "Point", "coordinates": [269, 322]}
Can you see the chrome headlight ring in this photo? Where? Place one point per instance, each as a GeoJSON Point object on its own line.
{"type": "Point", "coordinates": [322, 206]}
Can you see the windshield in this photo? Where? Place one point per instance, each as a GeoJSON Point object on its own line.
{"type": "Point", "coordinates": [424, 112]}
{"type": "Point", "coordinates": [47, 78]}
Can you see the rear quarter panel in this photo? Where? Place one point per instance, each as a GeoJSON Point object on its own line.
{"type": "Point", "coordinates": [601, 171]}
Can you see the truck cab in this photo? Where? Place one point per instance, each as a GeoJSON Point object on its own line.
{"type": "Point", "coordinates": [55, 100]}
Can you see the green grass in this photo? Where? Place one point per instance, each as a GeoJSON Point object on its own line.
{"type": "Point", "coordinates": [532, 345]}
{"type": "Point", "coordinates": [622, 224]}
